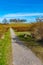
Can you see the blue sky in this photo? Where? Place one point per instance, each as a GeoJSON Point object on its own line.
{"type": "Point", "coordinates": [23, 9]}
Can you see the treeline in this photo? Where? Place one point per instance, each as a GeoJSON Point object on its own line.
{"type": "Point", "coordinates": [5, 21]}
{"type": "Point", "coordinates": [17, 20]}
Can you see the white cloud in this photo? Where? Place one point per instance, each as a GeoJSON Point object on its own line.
{"type": "Point", "coordinates": [17, 15]}
{"type": "Point", "coordinates": [23, 14]}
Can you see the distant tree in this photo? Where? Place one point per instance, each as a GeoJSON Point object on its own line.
{"type": "Point", "coordinates": [21, 20]}
{"type": "Point", "coordinates": [39, 19]}
{"type": "Point", "coordinates": [13, 20]}
{"type": "Point", "coordinates": [17, 20]}
{"type": "Point", "coordinates": [4, 21]}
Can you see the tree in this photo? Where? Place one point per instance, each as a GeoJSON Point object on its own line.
{"type": "Point", "coordinates": [38, 29]}
{"type": "Point", "coordinates": [13, 20]}
{"type": "Point", "coordinates": [17, 20]}
{"type": "Point", "coordinates": [4, 21]}
{"type": "Point", "coordinates": [21, 20]}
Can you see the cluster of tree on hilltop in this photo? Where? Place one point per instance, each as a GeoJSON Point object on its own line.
{"type": "Point", "coordinates": [5, 21]}
{"type": "Point", "coordinates": [17, 20]}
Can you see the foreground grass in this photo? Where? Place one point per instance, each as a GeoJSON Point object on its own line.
{"type": "Point", "coordinates": [5, 50]}
{"type": "Point", "coordinates": [30, 43]}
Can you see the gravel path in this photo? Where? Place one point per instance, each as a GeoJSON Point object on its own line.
{"type": "Point", "coordinates": [21, 54]}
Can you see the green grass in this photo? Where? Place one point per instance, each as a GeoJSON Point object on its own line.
{"type": "Point", "coordinates": [5, 50]}
{"type": "Point", "coordinates": [32, 44]}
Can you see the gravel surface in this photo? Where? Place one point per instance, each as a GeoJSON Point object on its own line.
{"type": "Point", "coordinates": [21, 54]}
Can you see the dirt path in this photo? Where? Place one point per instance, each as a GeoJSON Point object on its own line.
{"type": "Point", "coordinates": [21, 54]}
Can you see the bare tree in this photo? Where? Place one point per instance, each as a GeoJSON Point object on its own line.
{"type": "Point", "coordinates": [39, 29]}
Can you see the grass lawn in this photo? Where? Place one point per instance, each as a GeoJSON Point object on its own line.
{"type": "Point", "coordinates": [32, 44]}
{"type": "Point", "coordinates": [5, 50]}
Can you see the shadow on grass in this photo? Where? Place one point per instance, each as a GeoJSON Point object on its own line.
{"type": "Point", "coordinates": [24, 42]}
{"type": "Point", "coordinates": [40, 42]}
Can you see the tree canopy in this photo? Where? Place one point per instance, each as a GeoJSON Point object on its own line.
{"type": "Point", "coordinates": [17, 20]}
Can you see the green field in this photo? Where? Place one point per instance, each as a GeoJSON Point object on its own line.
{"type": "Point", "coordinates": [5, 50]}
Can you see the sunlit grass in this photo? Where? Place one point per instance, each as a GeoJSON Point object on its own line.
{"type": "Point", "coordinates": [5, 50]}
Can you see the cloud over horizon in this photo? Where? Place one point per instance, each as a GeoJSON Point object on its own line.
{"type": "Point", "coordinates": [21, 15]}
